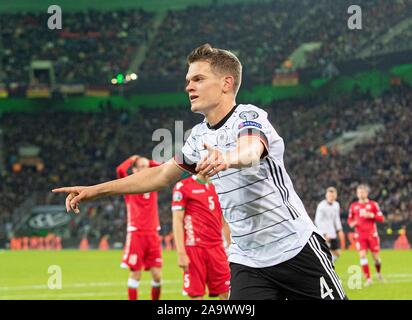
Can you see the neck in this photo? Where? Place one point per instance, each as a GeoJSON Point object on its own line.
{"type": "Point", "coordinates": [364, 200]}
{"type": "Point", "coordinates": [219, 112]}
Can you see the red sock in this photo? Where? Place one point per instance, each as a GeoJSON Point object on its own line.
{"type": "Point", "coordinates": [155, 293]}
{"type": "Point", "coordinates": [378, 267]}
{"type": "Point", "coordinates": [365, 269]}
{"type": "Point", "coordinates": [132, 293]}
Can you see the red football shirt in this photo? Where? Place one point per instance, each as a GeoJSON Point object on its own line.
{"type": "Point", "coordinates": [203, 214]}
{"type": "Point", "coordinates": [365, 226]}
{"type": "Point", "coordinates": [142, 211]}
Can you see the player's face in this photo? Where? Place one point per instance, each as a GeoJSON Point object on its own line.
{"type": "Point", "coordinates": [362, 193]}
{"type": "Point", "coordinates": [331, 196]}
{"type": "Point", "coordinates": [141, 163]}
{"type": "Point", "coordinates": [205, 87]}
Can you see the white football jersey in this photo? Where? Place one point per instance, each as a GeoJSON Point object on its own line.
{"type": "Point", "coordinates": [327, 218]}
{"type": "Point", "coordinates": [267, 219]}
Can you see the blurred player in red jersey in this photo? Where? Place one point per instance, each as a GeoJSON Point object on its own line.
{"type": "Point", "coordinates": [143, 246]}
{"type": "Point", "coordinates": [362, 216]}
{"type": "Point", "coordinates": [197, 227]}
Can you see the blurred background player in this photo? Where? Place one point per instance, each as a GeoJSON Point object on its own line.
{"type": "Point", "coordinates": [143, 246]}
{"type": "Point", "coordinates": [327, 219]}
{"type": "Point", "coordinates": [197, 227]}
{"type": "Point", "coordinates": [362, 216]}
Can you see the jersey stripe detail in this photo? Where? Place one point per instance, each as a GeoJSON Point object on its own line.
{"type": "Point", "coordinates": [239, 205]}
{"type": "Point", "coordinates": [272, 225]}
{"type": "Point", "coordinates": [254, 215]}
{"type": "Point", "coordinates": [272, 242]}
{"type": "Point", "coordinates": [322, 261]}
{"type": "Point", "coordinates": [281, 190]}
{"type": "Point", "coordinates": [329, 264]}
{"type": "Point", "coordinates": [220, 177]}
{"type": "Point", "coordinates": [247, 185]}
{"type": "Point", "coordinates": [287, 190]}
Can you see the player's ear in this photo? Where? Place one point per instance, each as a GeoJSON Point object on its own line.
{"type": "Point", "coordinates": [228, 83]}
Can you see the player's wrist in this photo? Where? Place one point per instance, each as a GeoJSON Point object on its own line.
{"type": "Point", "coordinates": [226, 160]}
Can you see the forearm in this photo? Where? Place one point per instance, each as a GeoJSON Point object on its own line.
{"type": "Point", "coordinates": [148, 180]}
{"type": "Point", "coordinates": [226, 233]}
{"type": "Point", "coordinates": [178, 235]}
{"type": "Point", "coordinates": [247, 153]}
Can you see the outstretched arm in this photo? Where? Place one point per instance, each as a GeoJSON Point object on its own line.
{"type": "Point", "coordinates": [148, 180]}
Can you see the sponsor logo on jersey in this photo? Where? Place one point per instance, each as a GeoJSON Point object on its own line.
{"type": "Point", "coordinates": [248, 115]}
{"type": "Point", "coordinates": [250, 124]}
{"type": "Point", "coordinates": [198, 191]}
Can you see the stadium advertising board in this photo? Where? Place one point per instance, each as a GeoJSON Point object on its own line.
{"type": "Point", "coordinates": [47, 217]}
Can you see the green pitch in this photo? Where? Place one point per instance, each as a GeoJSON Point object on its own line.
{"type": "Point", "coordinates": [97, 275]}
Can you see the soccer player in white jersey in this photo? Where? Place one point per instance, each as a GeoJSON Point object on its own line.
{"type": "Point", "coordinates": [327, 219]}
{"type": "Point", "coordinates": [276, 251]}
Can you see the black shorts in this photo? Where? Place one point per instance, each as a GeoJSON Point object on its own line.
{"type": "Point", "coordinates": [334, 244]}
{"type": "Point", "coordinates": [308, 275]}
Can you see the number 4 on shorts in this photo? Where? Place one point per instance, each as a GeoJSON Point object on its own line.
{"type": "Point", "coordinates": [325, 290]}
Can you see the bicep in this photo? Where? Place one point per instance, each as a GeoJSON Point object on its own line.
{"type": "Point", "coordinates": [171, 171]}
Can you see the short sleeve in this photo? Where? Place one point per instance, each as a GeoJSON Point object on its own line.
{"type": "Point", "coordinates": [377, 209]}
{"type": "Point", "coordinates": [189, 155]}
{"type": "Point", "coordinates": [338, 223]}
{"type": "Point", "coordinates": [254, 122]}
{"type": "Point", "coordinates": [179, 197]}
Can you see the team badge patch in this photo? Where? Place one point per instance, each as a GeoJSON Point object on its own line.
{"type": "Point", "coordinates": [248, 115]}
{"type": "Point", "coordinates": [250, 124]}
{"type": "Point", "coordinates": [222, 138]}
{"type": "Point", "coordinates": [177, 196]}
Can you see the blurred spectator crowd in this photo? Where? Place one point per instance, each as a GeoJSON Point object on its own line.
{"type": "Point", "coordinates": [91, 48]}
{"type": "Point", "coordinates": [85, 148]}
{"type": "Point", "coordinates": [94, 46]}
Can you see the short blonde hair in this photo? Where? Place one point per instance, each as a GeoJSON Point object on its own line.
{"type": "Point", "coordinates": [363, 186]}
{"type": "Point", "coordinates": [220, 60]}
{"type": "Point", "coordinates": [331, 189]}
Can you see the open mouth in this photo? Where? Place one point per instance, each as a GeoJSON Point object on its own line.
{"type": "Point", "coordinates": [193, 97]}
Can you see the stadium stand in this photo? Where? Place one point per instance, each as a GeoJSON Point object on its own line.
{"type": "Point", "coordinates": [85, 147]}
{"type": "Point", "coordinates": [92, 47]}
{"type": "Point", "coordinates": [76, 148]}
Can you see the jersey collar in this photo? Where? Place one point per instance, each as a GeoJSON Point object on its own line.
{"type": "Point", "coordinates": [223, 121]}
{"type": "Point", "coordinates": [199, 180]}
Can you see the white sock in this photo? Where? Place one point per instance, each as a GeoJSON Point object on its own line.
{"type": "Point", "coordinates": [156, 284]}
{"type": "Point", "coordinates": [132, 283]}
{"type": "Point", "coordinates": [363, 261]}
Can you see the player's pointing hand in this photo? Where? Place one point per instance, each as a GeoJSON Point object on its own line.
{"type": "Point", "coordinates": [213, 163]}
{"type": "Point", "coordinates": [75, 196]}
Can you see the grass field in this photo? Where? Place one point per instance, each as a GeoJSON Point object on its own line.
{"type": "Point", "coordinates": [97, 275]}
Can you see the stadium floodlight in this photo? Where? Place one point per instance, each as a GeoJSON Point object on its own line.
{"type": "Point", "coordinates": [133, 76]}
{"type": "Point", "coordinates": [114, 81]}
{"type": "Point", "coordinates": [128, 77]}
